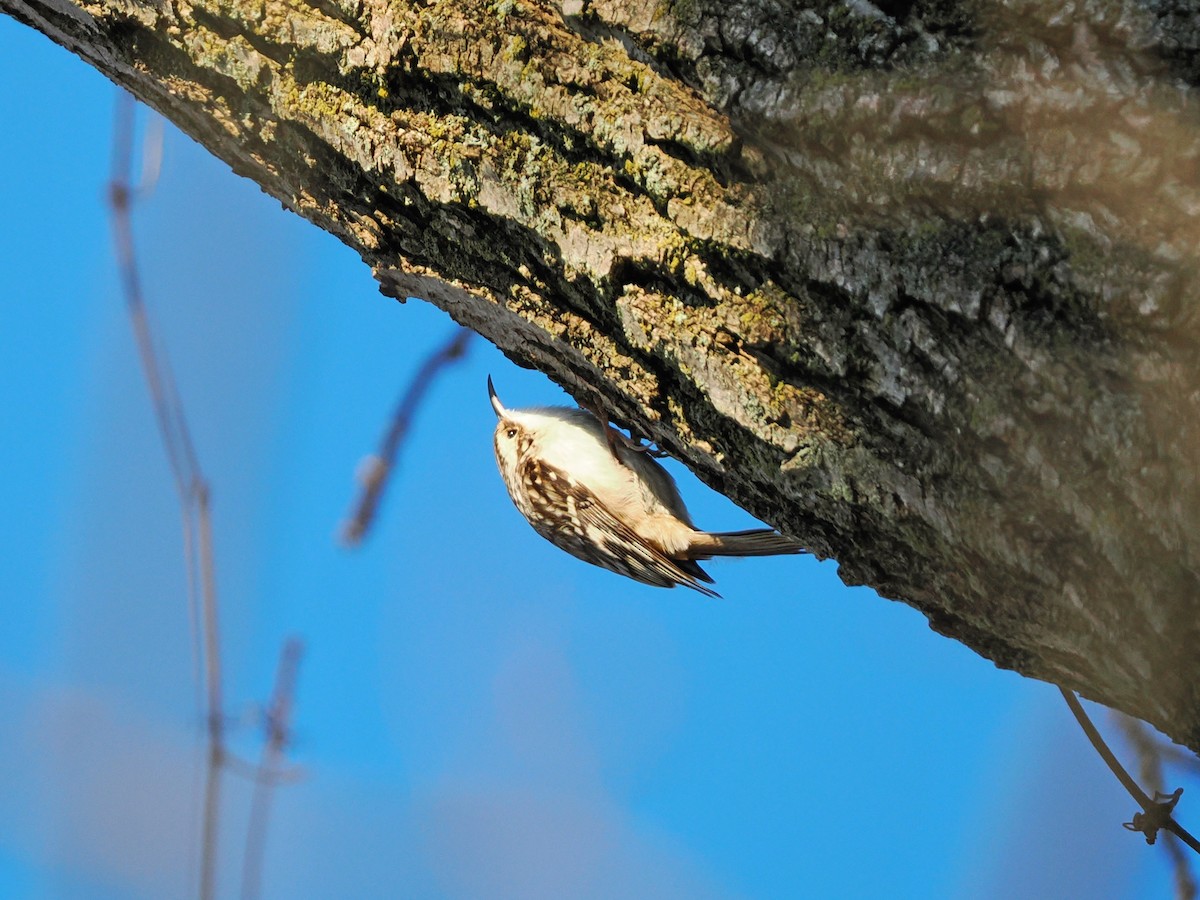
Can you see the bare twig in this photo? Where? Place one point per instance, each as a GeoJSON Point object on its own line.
{"type": "Point", "coordinates": [1156, 813]}
{"type": "Point", "coordinates": [375, 469]}
{"type": "Point", "coordinates": [251, 772]}
{"type": "Point", "coordinates": [278, 728]}
{"type": "Point", "coordinates": [190, 483]}
{"type": "Point", "coordinates": [1173, 755]}
{"type": "Point", "coordinates": [1150, 754]}
{"type": "Point", "coordinates": [193, 491]}
{"type": "Point", "coordinates": [212, 820]}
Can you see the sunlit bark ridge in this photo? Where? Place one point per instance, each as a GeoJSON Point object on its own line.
{"type": "Point", "coordinates": [913, 282]}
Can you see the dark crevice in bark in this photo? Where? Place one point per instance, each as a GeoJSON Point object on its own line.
{"type": "Point", "coordinates": [335, 12]}
{"type": "Point", "coordinates": [1177, 33]}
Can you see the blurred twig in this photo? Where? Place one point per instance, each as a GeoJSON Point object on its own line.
{"type": "Point", "coordinates": [1156, 813]}
{"type": "Point", "coordinates": [278, 728]}
{"type": "Point", "coordinates": [1151, 755]}
{"type": "Point", "coordinates": [1174, 755]}
{"type": "Point", "coordinates": [192, 488]}
{"type": "Point", "coordinates": [190, 483]}
{"type": "Point", "coordinates": [374, 470]}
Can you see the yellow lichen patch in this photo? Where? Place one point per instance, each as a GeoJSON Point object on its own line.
{"type": "Point", "coordinates": [291, 25]}
{"type": "Point", "coordinates": [708, 344]}
{"type": "Point", "coordinates": [594, 87]}
{"type": "Point", "coordinates": [757, 316]}
{"type": "Point", "coordinates": [634, 307]}
{"type": "Point", "coordinates": [234, 58]}
{"type": "Point", "coordinates": [146, 14]}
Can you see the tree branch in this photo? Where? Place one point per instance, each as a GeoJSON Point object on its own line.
{"type": "Point", "coordinates": [1156, 813]}
{"type": "Point", "coordinates": [376, 469]}
{"type": "Point", "coordinates": [918, 288]}
{"type": "Point", "coordinates": [190, 483]}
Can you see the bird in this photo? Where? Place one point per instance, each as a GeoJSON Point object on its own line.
{"type": "Point", "coordinates": [593, 492]}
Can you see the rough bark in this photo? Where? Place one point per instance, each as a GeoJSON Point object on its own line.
{"type": "Point", "coordinates": [912, 281]}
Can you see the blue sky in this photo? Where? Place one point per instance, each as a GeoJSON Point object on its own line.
{"type": "Point", "coordinates": [479, 715]}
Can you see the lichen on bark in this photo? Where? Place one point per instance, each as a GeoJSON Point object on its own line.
{"type": "Point", "coordinates": [913, 281]}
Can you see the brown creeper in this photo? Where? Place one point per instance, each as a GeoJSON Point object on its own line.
{"type": "Point", "coordinates": [607, 502]}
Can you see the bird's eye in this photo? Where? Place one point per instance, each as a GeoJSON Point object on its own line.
{"type": "Point", "coordinates": [512, 432]}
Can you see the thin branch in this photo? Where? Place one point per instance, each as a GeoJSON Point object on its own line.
{"type": "Point", "coordinates": [1156, 813]}
{"type": "Point", "coordinates": [278, 727]}
{"type": "Point", "coordinates": [190, 484]}
{"type": "Point", "coordinates": [1150, 769]}
{"type": "Point", "coordinates": [375, 469]}
{"type": "Point", "coordinates": [251, 772]}
{"type": "Point", "coordinates": [193, 491]}
{"type": "Point", "coordinates": [152, 157]}
{"type": "Point", "coordinates": [212, 821]}
{"type": "Point", "coordinates": [1173, 755]}
{"type": "Point", "coordinates": [211, 629]}
{"type": "Point", "coordinates": [168, 409]}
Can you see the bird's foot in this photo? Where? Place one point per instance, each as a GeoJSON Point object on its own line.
{"type": "Point", "coordinates": [616, 438]}
{"type": "Point", "coordinates": [629, 443]}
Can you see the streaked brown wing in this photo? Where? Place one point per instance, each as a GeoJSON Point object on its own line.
{"type": "Point", "coordinates": [571, 517]}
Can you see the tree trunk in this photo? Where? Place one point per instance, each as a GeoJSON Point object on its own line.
{"type": "Point", "coordinates": [914, 282]}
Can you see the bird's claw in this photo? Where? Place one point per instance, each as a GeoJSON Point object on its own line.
{"type": "Point", "coordinates": [615, 438]}
{"type": "Point", "coordinates": [630, 444]}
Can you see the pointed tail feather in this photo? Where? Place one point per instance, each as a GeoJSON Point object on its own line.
{"type": "Point", "coordinates": [754, 542]}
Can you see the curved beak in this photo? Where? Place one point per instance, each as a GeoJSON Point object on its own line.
{"type": "Point", "coordinates": [496, 404]}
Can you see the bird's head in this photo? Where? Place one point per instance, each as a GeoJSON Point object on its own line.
{"type": "Point", "coordinates": [512, 436]}
{"type": "Point", "coordinates": [561, 436]}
